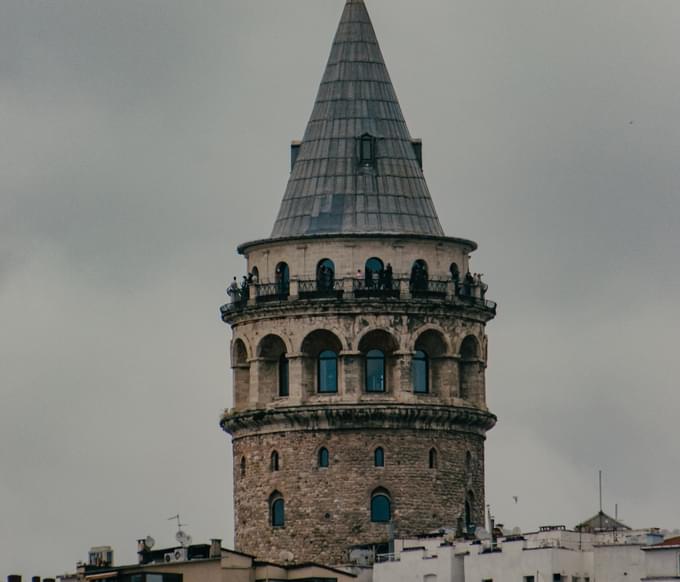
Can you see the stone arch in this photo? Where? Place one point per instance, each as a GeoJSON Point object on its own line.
{"type": "Point", "coordinates": [276, 510]}
{"type": "Point", "coordinates": [272, 367]}
{"type": "Point", "coordinates": [433, 342]}
{"type": "Point", "coordinates": [471, 371]}
{"type": "Point", "coordinates": [378, 348]}
{"type": "Point", "coordinates": [419, 276]}
{"type": "Point", "coordinates": [240, 364]}
{"type": "Point", "coordinates": [315, 344]}
{"type": "Point", "coordinates": [325, 274]}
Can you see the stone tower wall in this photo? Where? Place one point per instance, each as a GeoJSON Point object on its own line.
{"type": "Point", "coordinates": [328, 509]}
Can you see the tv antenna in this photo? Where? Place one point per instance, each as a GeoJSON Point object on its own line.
{"type": "Point", "coordinates": [181, 536]}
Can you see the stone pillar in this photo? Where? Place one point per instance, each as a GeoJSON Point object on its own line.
{"type": "Point", "coordinates": [352, 375]}
{"type": "Point", "coordinates": [444, 377]}
{"type": "Point", "coordinates": [404, 360]}
{"type": "Point", "coordinates": [296, 377]}
{"type": "Point", "coordinates": [254, 399]}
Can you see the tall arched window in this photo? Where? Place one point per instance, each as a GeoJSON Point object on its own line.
{"type": "Point", "coordinates": [282, 279]}
{"type": "Point", "coordinates": [375, 371]}
{"type": "Point", "coordinates": [325, 275]}
{"type": "Point", "coordinates": [373, 271]}
{"type": "Point", "coordinates": [420, 370]}
{"type": "Point", "coordinates": [277, 510]}
{"type": "Point", "coordinates": [381, 506]}
{"type": "Point", "coordinates": [468, 461]}
{"type": "Point", "coordinates": [324, 458]}
{"type": "Point", "coordinates": [328, 372]}
{"type": "Point", "coordinates": [284, 388]}
{"type": "Point", "coordinates": [243, 466]}
{"type": "Point", "coordinates": [433, 459]}
{"type": "Point", "coordinates": [379, 457]}
{"type": "Point", "coordinates": [469, 504]}
{"type": "Point", "coordinates": [275, 461]}
{"type": "Point", "coordinates": [419, 276]}
{"type": "Point", "coordinates": [469, 369]}
{"type": "Point", "coordinates": [255, 272]}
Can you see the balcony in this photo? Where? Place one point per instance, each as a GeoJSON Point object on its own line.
{"type": "Point", "coordinates": [400, 288]}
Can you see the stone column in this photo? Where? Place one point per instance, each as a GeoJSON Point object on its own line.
{"type": "Point", "coordinates": [351, 378]}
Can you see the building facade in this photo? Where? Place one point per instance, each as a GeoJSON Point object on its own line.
{"type": "Point", "coordinates": [359, 347]}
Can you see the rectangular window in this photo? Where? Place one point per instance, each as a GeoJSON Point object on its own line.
{"type": "Point", "coordinates": [529, 579]}
{"type": "Point", "coordinates": [557, 577]}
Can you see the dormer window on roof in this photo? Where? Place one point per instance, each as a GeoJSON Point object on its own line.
{"type": "Point", "coordinates": [367, 150]}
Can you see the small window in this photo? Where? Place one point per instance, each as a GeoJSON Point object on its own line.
{"type": "Point", "coordinates": [381, 508]}
{"type": "Point", "coordinates": [367, 150]}
{"type": "Point", "coordinates": [324, 458]}
{"type": "Point", "coordinates": [420, 371]}
{"type": "Point", "coordinates": [243, 466]}
{"type": "Point", "coordinates": [375, 371]}
{"type": "Point", "coordinates": [468, 461]}
{"type": "Point", "coordinates": [433, 459]}
{"type": "Point", "coordinates": [277, 511]}
{"type": "Point", "coordinates": [557, 577]}
{"type": "Point", "coordinates": [379, 457]}
{"type": "Point", "coordinates": [529, 579]}
{"type": "Point", "coordinates": [275, 461]}
{"type": "Point", "coordinates": [284, 389]}
{"type": "Point", "coordinates": [328, 372]}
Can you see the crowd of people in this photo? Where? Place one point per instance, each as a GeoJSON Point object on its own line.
{"type": "Point", "coordinates": [241, 293]}
{"type": "Point", "coordinates": [471, 285]}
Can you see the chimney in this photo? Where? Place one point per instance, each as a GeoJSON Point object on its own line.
{"type": "Point", "coordinates": [141, 551]}
{"type": "Point", "coordinates": [215, 548]}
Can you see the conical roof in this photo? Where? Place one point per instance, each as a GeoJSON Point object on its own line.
{"type": "Point", "coordinates": [337, 188]}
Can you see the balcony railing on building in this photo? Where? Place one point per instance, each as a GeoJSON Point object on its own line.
{"type": "Point", "coordinates": [401, 287]}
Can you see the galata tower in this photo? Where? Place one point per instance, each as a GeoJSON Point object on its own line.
{"type": "Point", "coordinates": [359, 347]}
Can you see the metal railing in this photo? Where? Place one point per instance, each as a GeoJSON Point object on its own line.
{"type": "Point", "coordinates": [371, 288]}
{"type": "Point", "coordinates": [272, 292]}
{"type": "Point", "coordinates": [321, 288]}
{"type": "Point", "coordinates": [429, 289]}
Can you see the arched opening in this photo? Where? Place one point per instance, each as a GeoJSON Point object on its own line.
{"type": "Point", "coordinates": [468, 462]}
{"type": "Point", "coordinates": [325, 275]}
{"type": "Point", "coordinates": [275, 462]}
{"type": "Point", "coordinates": [470, 369]}
{"type": "Point", "coordinates": [282, 280]}
{"type": "Point", "coordinates": [378, 347]}
{"type": "Point", "coordinates": [420, 370]}
{"type": "Point", "coordinates": [429, 365]}
{"type": "Point", "coordinates": [379, 457]}
{"type": "Point", "coordinates": [321, 366]}
{"type": "Point", "coordinates": [469, 511]}
{"type": "Point", "coordinates": [374, 273]}
{"type": "Point", "coordinates": [241, 373]}
{"type": "Point", "coordinates": [381, 506]}
{"type": "Point", "coordinates": [432, 459]}
{"type": "Point", "coordinates": [324, 458]}
{"type": "Point", "coordinates": [243, 467]}
{"type": "Point", "coordinates": [455, 277]}
{"type": "Point", "coordinates": [277, 516]}
{"type": "Point", "coordinates": [419, 276]}
{"type": "Point", "coordinates": [273, 368]}
{"type": "Point", "coordinates": [254, 275]}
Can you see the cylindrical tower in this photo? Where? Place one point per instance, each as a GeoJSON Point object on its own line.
{"type": "Point", "coordinates": [359, 349]}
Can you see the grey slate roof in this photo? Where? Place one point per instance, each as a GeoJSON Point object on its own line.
{"type": "Point", "coordinates": [329, 192]}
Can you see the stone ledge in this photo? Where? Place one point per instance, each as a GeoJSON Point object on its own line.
{"type": "Point", "coordinates": [357, 417]}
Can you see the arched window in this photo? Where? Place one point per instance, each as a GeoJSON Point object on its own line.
{"type": "Point", "coordinates": [277, 510]}
{"type": "Point", "coordinates": [432, 460]}
{"type": "Point", "coordinates": [328, 372]}
{"type": "Point", "coordinates": [324, 458]}
{"type": "Point", "coordinates": [420, 370]}
{"type": "Point", "coordinates": [255, 275]}
{"type": "Point", "coordinates": [468, 461]}
{"type": "Point", "coordinates": [375, 371]}
{"type": "Point", "coordinates": [469, 369]}
{"type": "Point", "coordinates": [243, 466]}
{"type": "Point", "coordinates": [455, 272]}
{"type": "Point", "coordinates": [275, 461]}
{"type": "Point", "coordinates": [282, 279]}
{"type": "Point", "coordinates": [284, 389]}
{"type": "Point", "coordinates": [325, 275]}
{"type": "Point", "coordinates": [469, 505]}
{"type": "Point", "coordinates": [381, 507]}
{"type": "Point", "coordinates": [374, 271]}
{"type": "Point", "coordinates": [379, 457]}
{"type": "Point", "coordinates": [419, 276]}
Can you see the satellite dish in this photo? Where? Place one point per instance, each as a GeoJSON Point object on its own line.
{"type": "Point", "coordinates": [183, 538]}
{"type": "Point", "coordinates": [149, 542]}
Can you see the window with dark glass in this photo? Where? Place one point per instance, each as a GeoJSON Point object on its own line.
{"type": "Point", "coordinates": [283, 375]}
{"type": "Point", "coordinates": [420, 371]}
{"type": "Point", "coordinates": [375, 371]}
{"type": "Point", "coordinates": [275, 461]}
{"type": "Point", "coordinates": [379, 457]}
{"type": "Point", "coordinates": [433, 459]}
{"type": "Point", "coordinates": [282, 278]}
{"type": "Point", "coordinates": [374, 273]}
{"type": "Point", "coordinates": [367, 150]}
{"type": "Point", "coordinates": [381, 510]}
{"type": "Point", "coordinates": [328, 371]}
{"type": "Point", "coordinates": [277, 511]}
{"type": "Point", "coordinates": [324, 458]}
{"type": "Point", "coordinates": [325, 275]}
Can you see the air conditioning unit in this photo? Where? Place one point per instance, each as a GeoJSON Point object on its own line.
{"type": "Point", "coordinates": [178, 555]}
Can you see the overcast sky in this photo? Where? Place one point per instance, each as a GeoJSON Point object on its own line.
{"type": "Point", "coordinates": [143, 140]}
